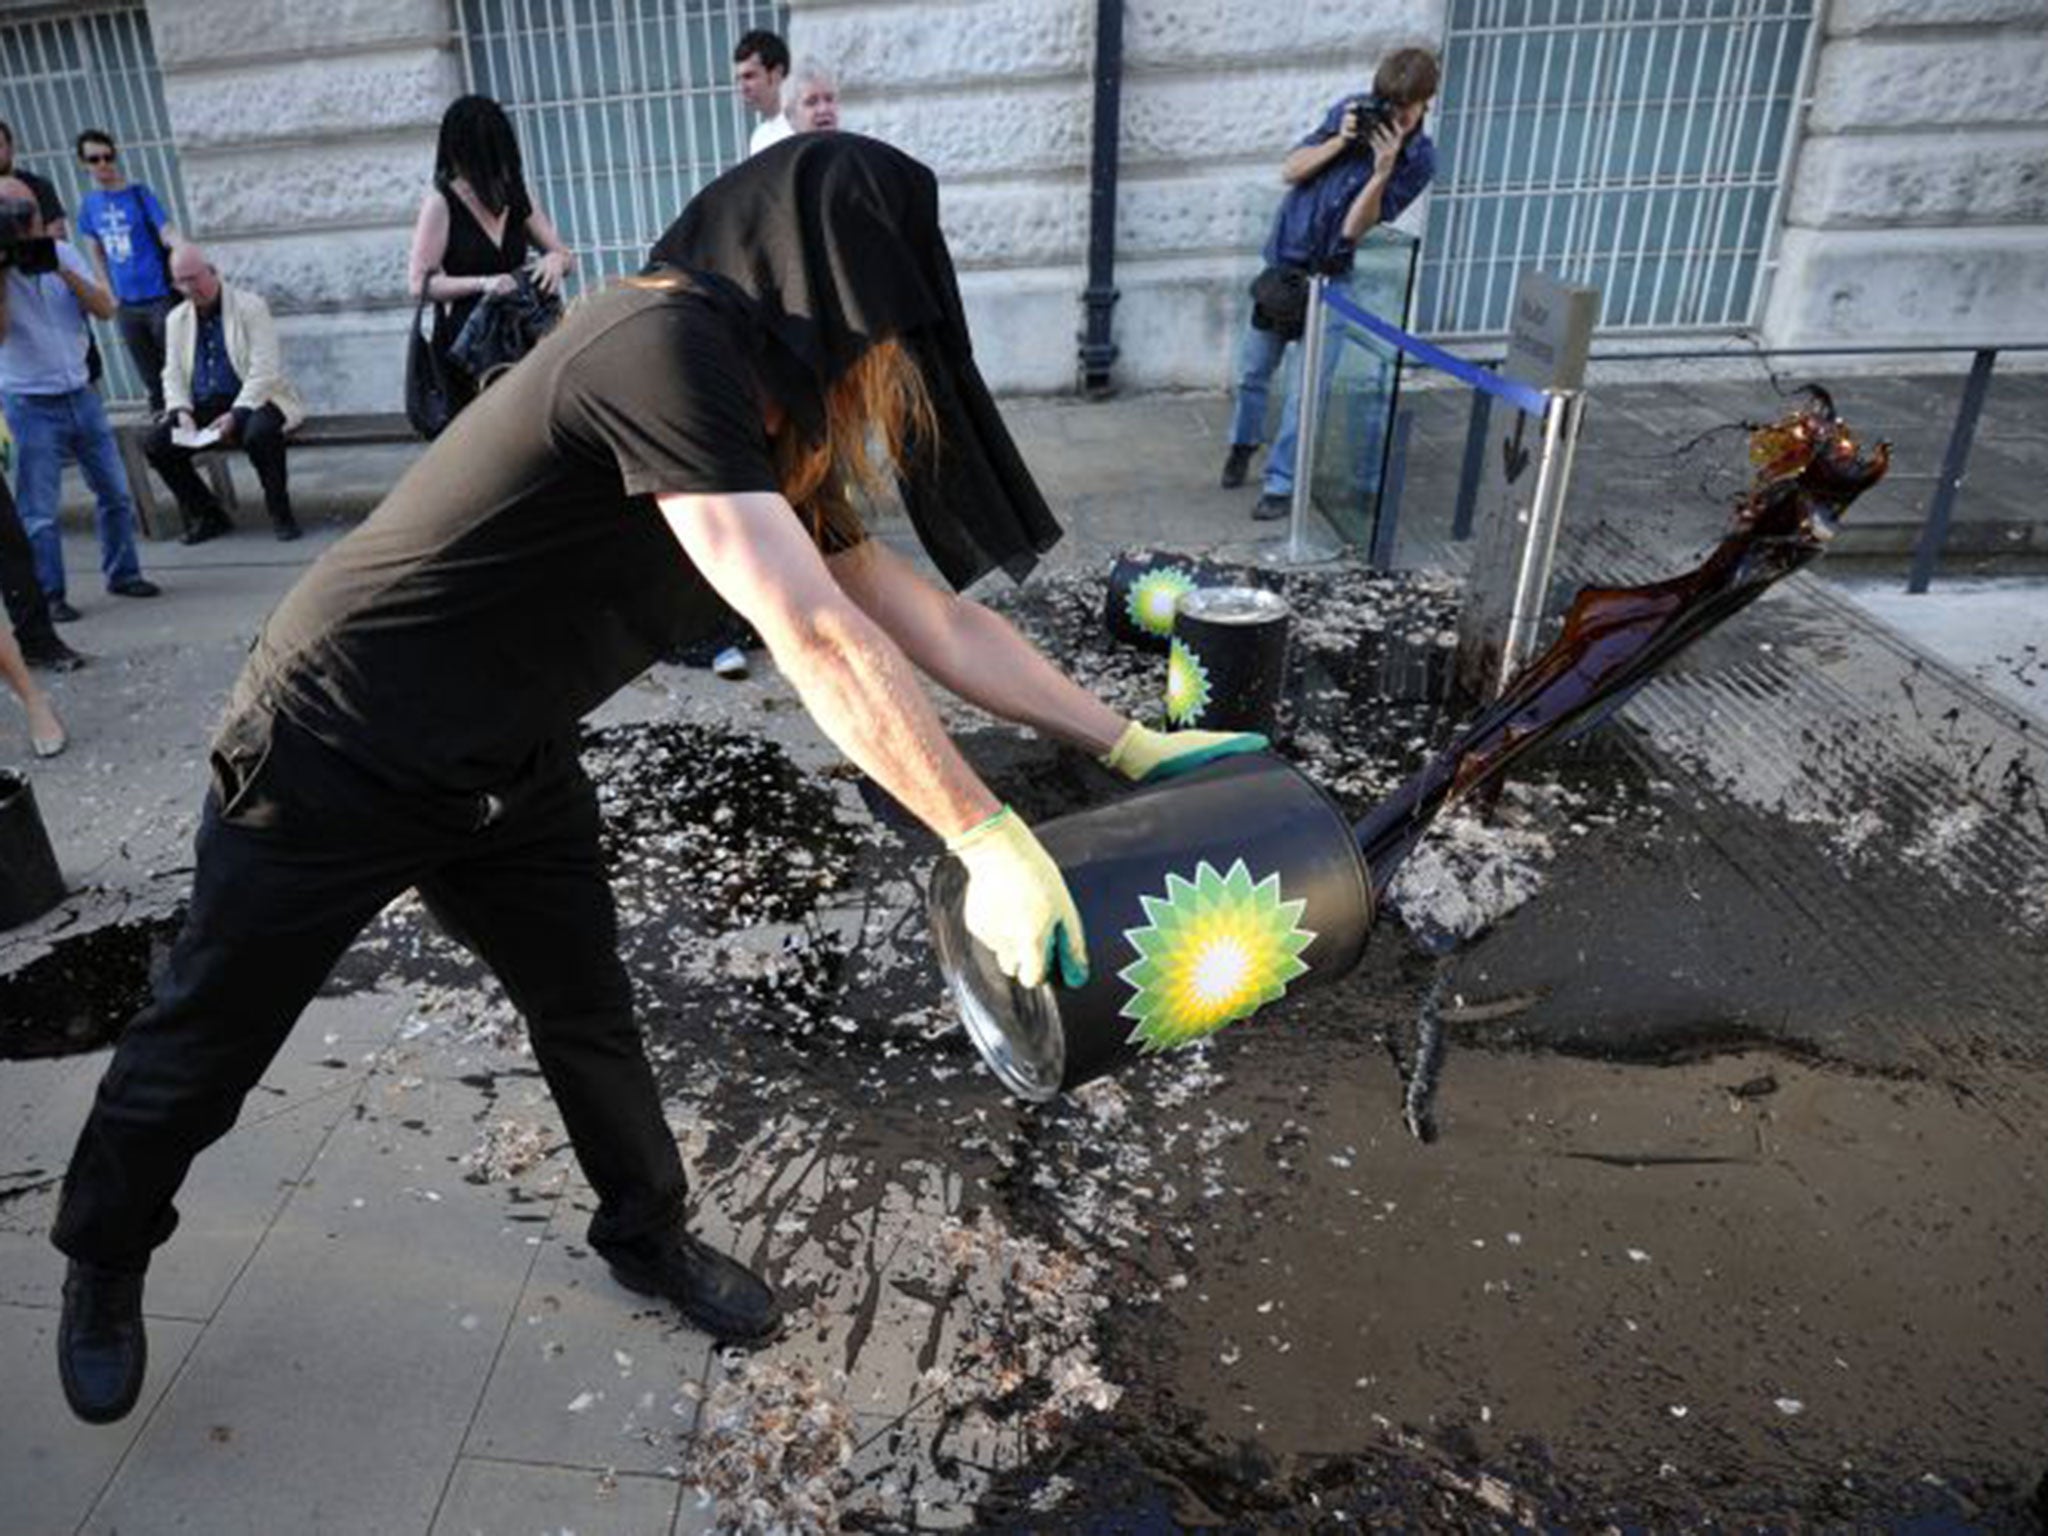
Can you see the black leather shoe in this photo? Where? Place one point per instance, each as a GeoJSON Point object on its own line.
{"type": "Point", "coordinates": [202, 526]}
{"type": "Point", "coordinates": [1270, 508]}
{"type": "Point", "coordinates": [134, 586]}
{"type": "Point", "coordinates": [102, 1349]}
{"type": "Point", "coordinates": [287, 529]}
{"type": "Point", "coordinates": [719, 1295]}
{"type": "Point", "coordinates": [62, 612]}
{"type": "Point", "coordinates": [54, 657]}
{"type": "Point", "coordinates": [1234, 467]}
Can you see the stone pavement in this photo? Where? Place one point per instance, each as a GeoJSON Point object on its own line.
{"type": "Point", "coordinates": [376, 1317]}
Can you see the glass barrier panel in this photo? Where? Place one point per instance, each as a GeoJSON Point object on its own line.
{"type": "Point", "coordinates": [1364, 386]}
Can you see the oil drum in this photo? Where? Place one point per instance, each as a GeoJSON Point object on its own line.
{"type": "Point", "coordinates": [1227, 660]}
{"type": "Point", "coordinates": [1203, 900]}
{"type": "Point", "coordinates": [30, 883]}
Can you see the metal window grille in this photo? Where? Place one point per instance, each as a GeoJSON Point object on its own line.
{"type": "Point", "coordinates": [90, 66]}
{"type": "Point", "coordinates": [624, 108]}
{"type": "Point", "coordinates": [1638, 145]}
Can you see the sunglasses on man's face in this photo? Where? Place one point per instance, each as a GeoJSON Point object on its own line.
{"type": "Point", "coordinates": [97, 158]}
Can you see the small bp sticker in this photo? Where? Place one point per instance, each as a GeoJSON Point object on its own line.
{"type": "Point", "coordinates": [1155, 595]}
{"type": "Point", "coordinates": [1187, 685]}
{"type": "Point", "coordinates": [1214, 949]}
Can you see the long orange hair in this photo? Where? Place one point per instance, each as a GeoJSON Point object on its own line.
{"type": "Point", "coordinates": [879, 402]}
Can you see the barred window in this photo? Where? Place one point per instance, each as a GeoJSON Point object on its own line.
{"type": "Point", "coordinates": [1637, 145]}
{"type": "Point", "coordinates": [624, 108]}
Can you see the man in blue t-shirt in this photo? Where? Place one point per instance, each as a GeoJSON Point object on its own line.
{"type": "Point", "coordinates": [1365, 162]}
{"type": "Point", "coordinates": [130, 236]}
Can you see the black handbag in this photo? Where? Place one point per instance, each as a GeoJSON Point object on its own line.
{"type": "Point", "coordinates": [430, 402]}
{"type": "Point", "coordinates": [503, 328]}
{"type": "Point", "coordinates": [1280, 301]}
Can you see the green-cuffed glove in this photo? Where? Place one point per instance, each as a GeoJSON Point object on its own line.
{"type": "Point", "coordinates": [1146, 756]}
{"type": "Point", "coordinates": [1017, 902]}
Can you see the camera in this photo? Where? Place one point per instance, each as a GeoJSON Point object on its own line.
{"type": "Point", "coordinates": [1368, 113]}
{"type": "Point", "coordinates": [27, 253]}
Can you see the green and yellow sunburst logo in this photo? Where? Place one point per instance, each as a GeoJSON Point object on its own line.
{"type": "Point", "coordinates": [1155, 596]}
{"type": "Point", "coordinates": [1215, 949]}
{"type": "Point", "coordinates": [1187, 685]}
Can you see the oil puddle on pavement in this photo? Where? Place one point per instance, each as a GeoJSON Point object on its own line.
{"type": "Point", "coordinates": [79, 993]}
{"type": "Point", "coordinates": [1725, 1222]}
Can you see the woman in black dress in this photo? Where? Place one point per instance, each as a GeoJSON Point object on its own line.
{"type": "Point", "coordinates": [478, 227]}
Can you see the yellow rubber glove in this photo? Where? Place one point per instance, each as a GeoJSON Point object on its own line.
{"type": "Point", "coordinates": [1017, 902]}
{"type": "Point", "coordinates": [1146, 756]}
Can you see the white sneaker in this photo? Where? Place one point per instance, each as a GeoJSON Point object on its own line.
{"type": "Point", "coordinates": [730, 662]}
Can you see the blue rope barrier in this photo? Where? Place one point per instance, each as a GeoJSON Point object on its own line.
{"type": "Point", "coordinates": [1524, 397]}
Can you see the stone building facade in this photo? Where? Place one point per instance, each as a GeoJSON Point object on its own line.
{"type": "Point", "coordinates": [1917, 208]}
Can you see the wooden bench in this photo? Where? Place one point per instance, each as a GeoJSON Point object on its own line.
{"type": "Point", "coordinates": [363, 429]}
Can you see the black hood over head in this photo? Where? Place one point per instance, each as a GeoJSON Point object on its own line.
{"type": "Point", "coordinates": [835, 239]}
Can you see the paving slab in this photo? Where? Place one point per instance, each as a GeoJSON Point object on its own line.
{"type": "Point", "coordinates": [306, 1377]}
{"type": "Point", "coordinates": [52, 1467]}
{"type": "Point", "coordinates": [236, 1187]}
{"type": "Point", "coordinates": [590, 1375]}
{"type": "Point", "coordinates": [924, 1475]}
{"type": "Point", "coordinates": [497, 1498]}
{"type": "Point", "coordinates": [42, 1104]}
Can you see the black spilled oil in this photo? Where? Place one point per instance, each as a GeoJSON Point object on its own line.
{"type": "Point", "coordinates": [81, 994]}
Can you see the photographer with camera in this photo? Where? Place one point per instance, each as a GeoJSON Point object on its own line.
{"type": "Point", "coordinates": [52, 409]}
{"type": "Point", "coordinates": [1365, 162]}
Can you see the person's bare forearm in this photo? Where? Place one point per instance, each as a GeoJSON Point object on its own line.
{"type": "Point", "coordinates": [443, 287]}
{"type": "Point", "coordinates": [864, 695]}
{"type": "Point", "coordinates": [92, 298]}
{"type": "Point", "coordinates": [1308, 161]}
{"type": "Point", "coordinates": [973, 652]}
{"type": "Point", "coordinates": [985, 661]}
{"type": "Point", "coordinates": [1364, 211]}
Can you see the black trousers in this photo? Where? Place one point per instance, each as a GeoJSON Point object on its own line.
{"type": "Point", "coordinates": [262, 438]}
{"type": "Point", "coordinates": [297, 850]}
{"type": "Point", "coordinates": [142, 331]}
{"type": "Point", "coordinates": [28, 609]}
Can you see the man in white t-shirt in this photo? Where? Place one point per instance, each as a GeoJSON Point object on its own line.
{"type": "Point", "coordinates": [760, 61]}
{"type": "Point", "coordinates": [760, 65]}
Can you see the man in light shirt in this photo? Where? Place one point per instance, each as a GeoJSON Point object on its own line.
{"type": "Point", "coordinates": [47, 289]}
{"type": "Point", "coordinates": [222, 381]}
{"type": "Point", "coordinates": [761, 61]}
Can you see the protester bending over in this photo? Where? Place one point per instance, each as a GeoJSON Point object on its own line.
{"type": "Point", "coordinates": [479, 228]}
{"type": "Point", "coordinates": [223, 380]}
{"type": "Point", "coordinates": [1365, 162]}
{"type": "Point", "coordinates": [51, 408]}
{"type": "Point", "coordinates": [408, 716]}
{"type": "Point", "coordinates": [124, 226]}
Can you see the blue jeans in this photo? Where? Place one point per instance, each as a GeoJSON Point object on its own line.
{"type": "Point", "coordinates": [45, 428]}
{"type": "Point", "coordinates": [1257, 356]}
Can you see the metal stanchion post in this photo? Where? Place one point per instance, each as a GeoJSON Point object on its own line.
{"type": "Point", "coordinates": [1299, 548]}
{"type": "Point", "coordinates": [1539, 543]}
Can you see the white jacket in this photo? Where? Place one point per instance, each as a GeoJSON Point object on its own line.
{"type": "Point", "coordinates": [251, 336]}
